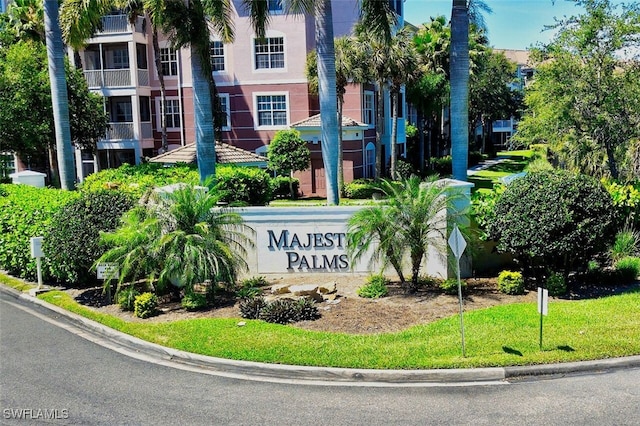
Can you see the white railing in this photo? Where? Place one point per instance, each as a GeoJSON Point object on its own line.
{"type": "Point", "coordinates": [120, 131]}
{"type": "Point", "coordinates": [117, 78]}
{"type": "Point", "coordinates": [115, 24]}
{"type": "Point", "coordinates": [143, 77]}
{"type": "Point", "coordinates": [147, 130]}
{"type": "Point", "coordinates": [94, 78]}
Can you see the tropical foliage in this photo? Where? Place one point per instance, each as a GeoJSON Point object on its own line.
{"type": "Point", "coordinates": [288, 153]}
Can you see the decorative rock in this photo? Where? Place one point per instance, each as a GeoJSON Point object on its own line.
{"type": "Point", "coordinates": [331, 296]}
{"type": "Point", "coordinates": [304, 290]}
{"type": "Point", "coordinates": [280, 289]}
{"type": "Point", "coordinates": [242, 324]}
{"type": "Point", "coordinates": [328, 288]}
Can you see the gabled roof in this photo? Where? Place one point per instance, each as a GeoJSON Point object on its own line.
{"type": "Point", "coordinates": [225, 154]}
{"type": "Point", "coordinates": [315, 122]}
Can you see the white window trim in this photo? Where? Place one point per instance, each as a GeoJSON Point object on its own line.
{"type": "Point", "coordinates": [159, 118]}
{"type": "Point", "coordinates": [224, 55]}
{"type": "Point", "coordinates": [227, 127]}
{"type": "Point", "coordinates": [372, 94]}
{"type": "Point", "coordinates": [166, 45]}
{"type": "Point", "coordinates": [269, 34]}
{"type": "Point", "coordinates": [256, 126]}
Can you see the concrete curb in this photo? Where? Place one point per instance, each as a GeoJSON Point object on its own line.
{"type": "Point", "coordinates": [139, 348]}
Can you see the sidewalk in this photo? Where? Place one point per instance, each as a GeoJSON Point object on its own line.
{"type": "Point", "coordinates": [150, 352]}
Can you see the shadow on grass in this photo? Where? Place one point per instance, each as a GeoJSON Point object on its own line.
{"type": "Point", "coordinates": [511, 351]}
{"type": "Point", "coordinates": [566, 348]}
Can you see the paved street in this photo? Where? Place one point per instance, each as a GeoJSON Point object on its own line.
{"type": "Point", "coordinates": [46, 367]}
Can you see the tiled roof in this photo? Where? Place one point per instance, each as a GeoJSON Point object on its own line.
{"type": "Point", "coordinates": [520, 57]}
{"type": "Point", "coordinates": [225, 154]}
{"type": "Point", "coordinates": [314, 121]}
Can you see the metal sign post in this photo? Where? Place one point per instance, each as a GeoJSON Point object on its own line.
{"type": "Point", "coordinates": [458, 244]}
{"type": "Point", "coordinates": [543, 303]}
{"type": "Point", "coordinates": [36, 251]}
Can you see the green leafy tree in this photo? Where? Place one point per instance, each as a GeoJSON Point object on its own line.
{"type": "Point", "coordinates": [584, 100]}
{"type": "Point", "coordinates": [288, 153]}
{"type": "Point", "coordinates": [24, 88]}
{"type": "Point", "coordinates": [412, 218]}
{"type": "Point", "coordinates": [553, 219]}
{"type": "Point", "coordinates": [179, 239]}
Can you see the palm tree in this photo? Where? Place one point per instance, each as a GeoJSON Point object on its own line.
{"type": "Point", "coordinates": [27, 19]}
{"type": "Point", "coordinates": [377, 15]}
{"type": "Point", "coordinates": [459, 63]}
{"type": "Point", "coordinates": [412, 218]}
{"type": "Point", "coordinates": [190, 25]}
{"type": "Point", "coordinates": [181, 239]}
{"type": "Point", "coordinates": [59, 96]}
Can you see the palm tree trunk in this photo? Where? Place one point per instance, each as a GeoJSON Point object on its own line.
{"type": "Point", "coordinates": [59, 95]}
{"type": "Point", "coordinates": [340, 150]}
{"type": "Point", "coordinates": [420, 123]}
{"type": "Point", "coordinates": [328, 99]}
{"type": "Point", "coordinates": [394, 133]}
{"type": "Point", "coordinates": [163, 90]}
{"type": "Point", "coordinates": [203, 117]}
{"type": "Point", "coordinates": [379, 114]}
{"type": "Point", "coordinates": [459, 89]}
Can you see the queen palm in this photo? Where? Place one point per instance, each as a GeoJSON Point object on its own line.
{"type": "Point", "coordinates": [376, 14]}
{"type": "Point", "coordinates": [59, 95]}
{"type": "Point", "coordinates": [459, 66]}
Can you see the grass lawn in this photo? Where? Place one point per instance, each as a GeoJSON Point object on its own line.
{"type": "Point", "coordinates": [498, 336]}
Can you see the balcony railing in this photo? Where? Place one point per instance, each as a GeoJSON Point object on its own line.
{"type": "Point", "coordinates": [109, 78]}
{"type": "Point", "coordinates": [501, 124]}
{"type": "Point", "coordinates": [120, 131]}
{"type": "Point", "coordinates": [143, 77]}
{"type": "Point", "coordinates": [115, 24]}
{"type": "Point", "coordinates": [147, 130]}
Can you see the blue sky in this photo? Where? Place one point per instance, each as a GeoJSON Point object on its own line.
{"type": "Point", "coordinates": [514, 24]}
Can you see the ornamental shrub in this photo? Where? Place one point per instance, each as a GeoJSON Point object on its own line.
{"type": "Point", "coordinates": [126, 298]}
{"type": "Point", "coordinates": [145, 305]}
{"type": "Point", "coordinates": [626, 199]}
{"type": "Point", "coordinates": [556, 219]}
{"type": "Point", "coordinates": [510, 282]}
{"type": "Point", "coordinates": [450, 286]}
{"type": "Point", "coordinates": [556, 284]}
{"type": "Point", "coordinates": [375, 287]}
{"type": "Point", "coordinates": [280, 186]}
{"type": "Point", "coordinates": [483, 204]}
{"type": "Point", "coordinates": [26, 212]}
{"type": "Point", "coordinates": [361, 189]}
{"type": "Point", "coordinates": [280, 311]}
{"type": "Point", "coordinates": [628, 268]}
{"type": "Point", "coordinates": [251, 307]}
{"type": "Point", "coordinates": [626, 243]}
{"type": "Point", "coordinates": [243, 185]}
{"type": "Point", "coordinates": [73, 241]}
{"type": "Point", "coordinates": [194, 301]}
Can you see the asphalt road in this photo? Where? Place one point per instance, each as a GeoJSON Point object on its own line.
{"type": "Point", "coordinates": [51, 375]}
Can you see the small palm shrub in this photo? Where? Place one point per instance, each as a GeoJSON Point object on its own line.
{"type": "Point", "coordinates": [628, 268]}
{"type": "Point", "coordinates": [126, 298]}
{"type": "Point", "coordinates": [251, 307]}
{"type": "Point", "coordinates": [145, 305]}
{"type": "Point", "coordinates": [194, 301]}
{"type": "Point", "coordinates": [450, 286]}
{"type": "Point", "coordinates": [251, 287]}
{"type": "Point", "coordinates": [556, 284]}
{"type": "Point", "coordinates": [375, 287]}
{"type": "Point", "coordinates": [280, 311]}
{"type": "Point", "coordinates": [308, 311]}
{"type": "Point", "coordinates": [510, 282]}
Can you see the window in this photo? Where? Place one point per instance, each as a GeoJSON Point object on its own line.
{"type": "Point", "coordinates": [172, 113]}
{"type": "Point", "coordinates": [145, 109]}
{"type": "Point", "coordinates": [120, 59]}
{"type": "Point", "coordinates": [368, 109]}
{"type": "Point", "coordinates": [7, 165]}
{"type": "Point", "coordinates": [272, 110]}
{"type": "Point", "coordinates": [217, 56]}
{"type": "Point", "coordinates": [120, 109]}
{"type": "Point", "coordinates": [225, 108]}
{"type": "Point", "coordinates": [168, 61]}
{"type": "Point", "coordinates": [370, 161]}
{"type": "Point", "coordinates": [269, 54]}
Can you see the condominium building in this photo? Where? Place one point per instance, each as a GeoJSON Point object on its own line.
{"type": "Point", "coordinates": [261, 84]}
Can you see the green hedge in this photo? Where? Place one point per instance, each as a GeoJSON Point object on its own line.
{"type": "Point", "coordinates": [72, 244]}
{"type": "Point", "coordinates": [243, 185]}
{"type": "Point", "coordinates": [27, 212]}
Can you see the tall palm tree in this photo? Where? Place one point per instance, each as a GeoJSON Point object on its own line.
{"type": "Point", "coordinates": [27, 19]}
{"type": "Point", "coordinates": [459, 66]}
{"type": "Point", "coordinates": [59, 96]}
{"type": "Point", "coordinates": [190, 24]}
{"type": "Point", "coordinates": [376, 14]}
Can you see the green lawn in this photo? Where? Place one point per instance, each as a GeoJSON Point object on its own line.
{"type": "Point", "coordinates": [498, 336]}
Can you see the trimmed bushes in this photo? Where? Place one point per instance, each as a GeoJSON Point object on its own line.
{"type": "Point", "coordinates": [243, 185]}
{"type": "Point", "coordinates": [72, 244]}
{"type": "Point", "coordinates": [145, 305]}
{"type": "Point", "coordinates": [556, 284]}
{"type": "Point", "coordinates": [450, 286]}
{"type": "Point", "coordinates": [628, 268]}
{"type": "Point", "coordinates": [280, 186]}
{"type": "Point", "coordinates": [361, 189]}
{"type": "Point", "coordinates": [27, 212]}
{"type": "Point", "coordinates": [375, 287]}
{"type": "Point", "coordinates": [279, 311]}
{"type": "Point", "coordinates": [510, 282]}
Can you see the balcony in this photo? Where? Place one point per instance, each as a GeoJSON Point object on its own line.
{"type": "Point", "coordinates": [114, 24]}
{"type": "Point", "coordinates": [97, 79]}
{"type": "Point", "coordinates": [120, 131]}
{"type": "Point", "coordinates": [502, 126]}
